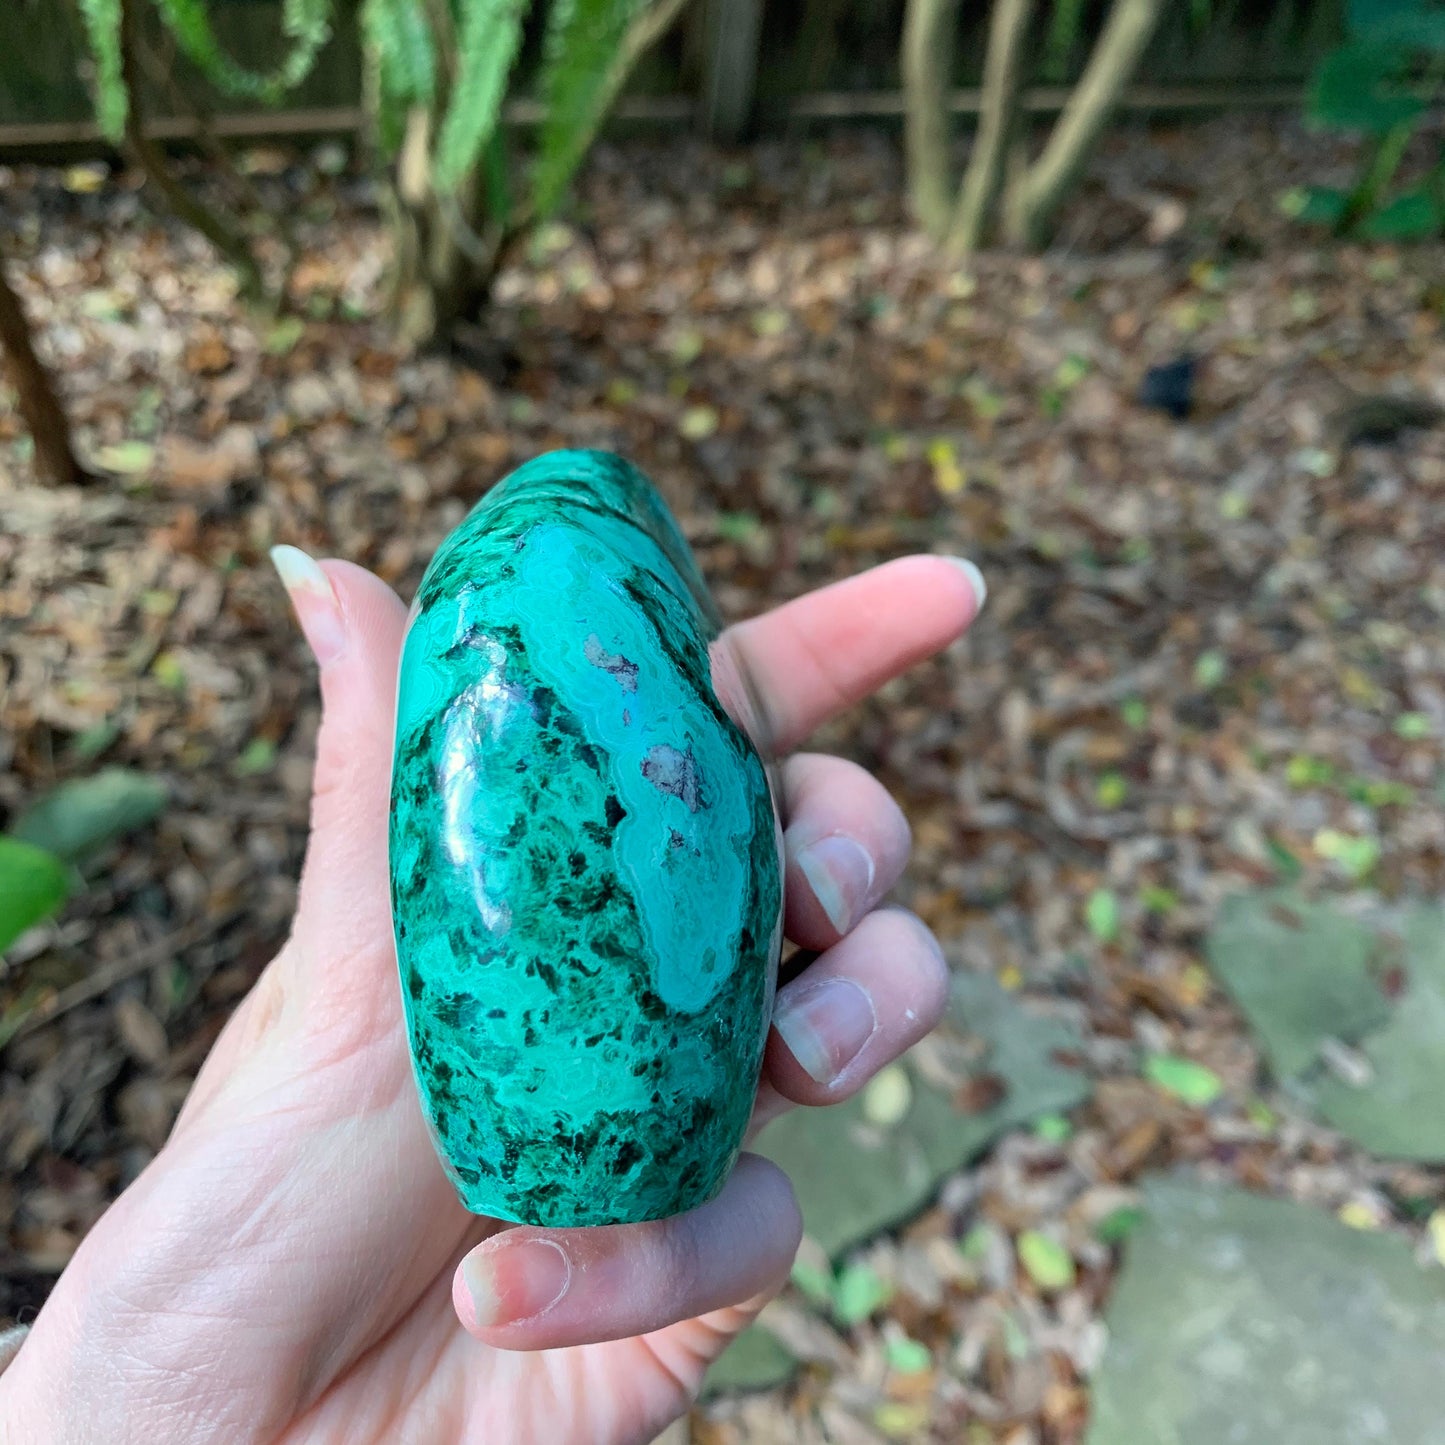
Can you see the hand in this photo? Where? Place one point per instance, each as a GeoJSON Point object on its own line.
{"type": "Point", "coordinates": [294, 1267]}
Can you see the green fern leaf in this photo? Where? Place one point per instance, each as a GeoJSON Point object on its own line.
{"type": "Point", "coordinates": [305, 23]}
{"type": "Point", "coordinates": [582, 44]}
{"type": "Point", "coordinates": [102, 30]}
{"type": "Point", "coordinates": [1066, 26]}
{"type": "Point", "coordinates": [490, 34]}
{"type": "Point", "coordinates": [399, 48]}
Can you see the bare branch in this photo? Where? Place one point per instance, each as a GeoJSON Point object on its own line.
{"type": "Point", "coordinates": [44, 416]}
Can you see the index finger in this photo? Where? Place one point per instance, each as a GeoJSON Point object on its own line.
{"type": "Point", "coordinates": [810, 659]}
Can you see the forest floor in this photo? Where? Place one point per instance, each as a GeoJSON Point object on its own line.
{"type": "Point", "coordinates": [1211, 657]}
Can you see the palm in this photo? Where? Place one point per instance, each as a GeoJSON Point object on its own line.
{"type": "Point", "coordinates": [350, 1079]}
{"type": "Point", "coordinates": [284, 1270]}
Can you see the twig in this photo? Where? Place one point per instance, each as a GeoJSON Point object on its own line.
{"type": "Point", "coordinates": [1136, 682]}
{"type": "Point", "coordinates": [1066, 749]}
{"type": "Point", "coordinates": [108, 975]}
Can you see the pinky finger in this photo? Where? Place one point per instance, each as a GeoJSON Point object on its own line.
{"type": "Point", "coordinates": [538, 1289]}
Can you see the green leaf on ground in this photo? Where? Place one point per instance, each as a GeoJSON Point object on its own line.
{"type": "Point", "coordinates": [1155, 899]}
{"type": "Point", "coordinates": [282, 335]}
{"type": "Point", "coordinates": [1193, 1083]}
{"type": "Point", "coordinates": [258, 756]}
{"type": "Point", "coordinates": [1101, 913]}
{"type": "Point", "coordinates": [1304, 771]}
{"type": "Point", "coordinates": [1053, 1128]}
{"type": "Point", "coordinates": [126, 459]}
{"type": "Point", "coordinates": [33, 885]}
{"type": "Point", "coordinates": [902, 1419]}
{"type": "Point", "coordinates": [698, 423]}
{"type": "Point", "coordinates": [906, 1356]}
{"type": "Point", "coordinates": [1210, 668]}
{"type": "Point", "coordinates": [81, 816]}
{"type": "Point", "coordinates": [1355, 856]}
{"type": "Point", "coordinates": [1046, 1261]}
{"type": "Point", "coordinates": [858, 1293]}
{"type": "Point", "coordinates": [1135, 712]}
{"type": "Point", "coordinates": [1263, 1322]}
{"type": "Point", "coordinates": [1111, 790]}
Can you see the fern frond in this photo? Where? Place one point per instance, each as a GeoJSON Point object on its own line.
{"type": "Point", "coordinates": [583, 43]}
{"type": "Point", "coordinates": [102, 30]}
{"type": "Point", "coordinates": [305, 23]}
{"type": "Point", "coordinates": [1066, 28]}
{"type": "Point", "coordinates": [398, 44]}
{"type": "Point", "coordinates": [488, 37]}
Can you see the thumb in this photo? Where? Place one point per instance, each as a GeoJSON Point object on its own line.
{"type": "Point", "coordinates": [354, 624]}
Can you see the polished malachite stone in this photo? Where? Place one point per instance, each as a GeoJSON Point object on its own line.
{"type": "Point", "coordinates": [584, 858]}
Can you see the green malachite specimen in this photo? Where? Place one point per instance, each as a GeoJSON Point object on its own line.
{"type": "Point", "coordinates": [584, 858]}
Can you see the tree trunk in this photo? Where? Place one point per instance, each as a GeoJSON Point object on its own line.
{"type": "Point", "coordinates": [1052, 178]}
{"type": "Point", "coordinates": [928, 44]}
{"type": "Point", "coordinates": [441, 279]}
{"type": "Point", "coordinates": [998, 120]}
{"type": "Point", "coordinates": [226, 238]}
{"type": "Point", "coordinates": [447, 248]}
{"type": "Point", "coordinates": [39, 405]}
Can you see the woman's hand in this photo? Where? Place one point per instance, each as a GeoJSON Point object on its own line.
{"type": "Point", "coordinates": [294, 1267]}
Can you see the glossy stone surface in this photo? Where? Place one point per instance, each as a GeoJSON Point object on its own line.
{"type": "Point", "coordinates": [584, 856]}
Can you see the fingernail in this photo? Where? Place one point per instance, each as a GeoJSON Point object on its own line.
{"type": "Point", "coordinates": [839, 870]}
{"type": "Point", "coordinates": [825, 1025]}
{"type": "Point", "coordinates": [975, 578]}
{"type": "Point", "coordinates": [311, 594]}
{"type": "Point", "coordinates": [510, 1283]}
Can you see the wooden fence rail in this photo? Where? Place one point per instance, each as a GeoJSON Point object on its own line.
{"type": "Point", "coordinates": [731, 66]}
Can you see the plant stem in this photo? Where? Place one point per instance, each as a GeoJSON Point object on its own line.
{"type": "Point", "coordinates": [1375, 175]}
{"type": "Point", "coordinates": [1003, 75]}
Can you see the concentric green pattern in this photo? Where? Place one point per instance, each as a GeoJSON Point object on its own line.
{"type": "Point", "coordinates": [584, 858]}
